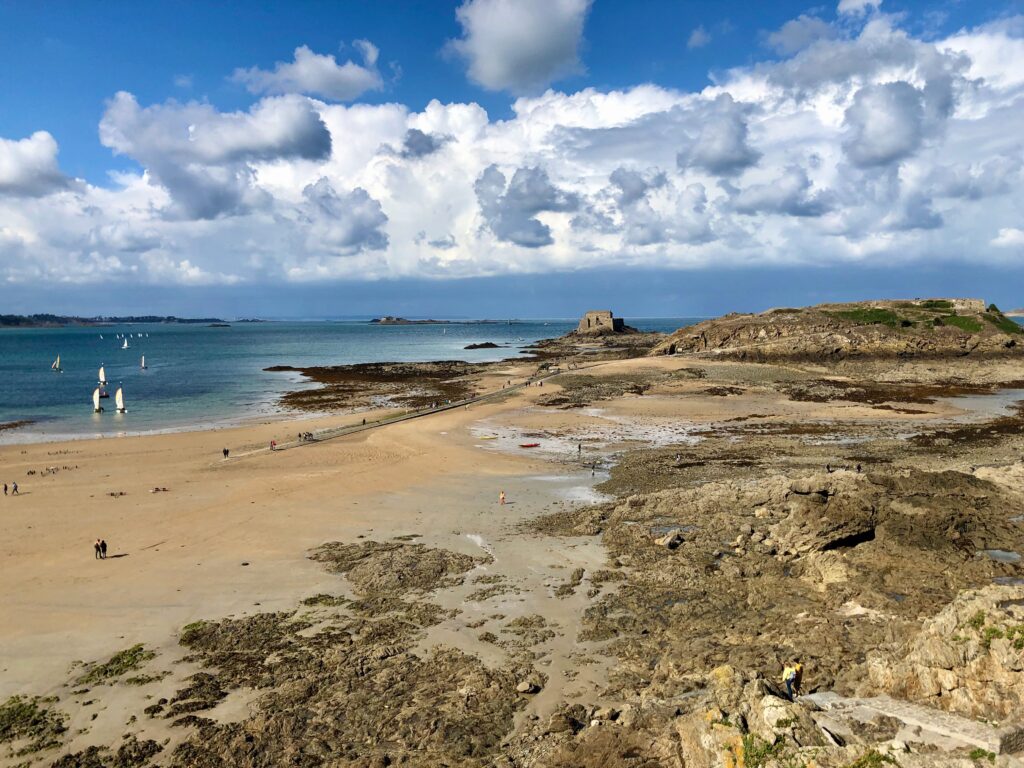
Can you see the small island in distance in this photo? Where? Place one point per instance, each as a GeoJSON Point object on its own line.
{"type": "Point", "coordinates": [392, 320]}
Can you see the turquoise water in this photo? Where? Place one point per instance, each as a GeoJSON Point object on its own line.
{"type": "Point", "coordinates": [204, 377]}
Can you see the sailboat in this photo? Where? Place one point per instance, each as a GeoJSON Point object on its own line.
{"type": "Point", "coordinates": [101, 337]}
{"type": "Point", "coordinates": [96, 408]}
{"type": "Point", "coordinates": [142, 363]}
{"type": "Point", "coordinates": [119, 401]}
{"type": "Point", "coordinates": [102, 383]}
{"type": "Point", "coordinates": [125, 345]}
{"type": "Point", "coordinates": [56, 365]}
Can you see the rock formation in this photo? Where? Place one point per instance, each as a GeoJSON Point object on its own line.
{"type": "Point", "coordinates": [938, 328]}
{"type": "Point", "coordinates": [969, 659]}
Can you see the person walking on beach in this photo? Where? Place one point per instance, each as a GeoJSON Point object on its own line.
{"type": "Point", "coordinates": [103, 549]}
{"type": "Point", "coordinates": [226, 452]}
{"type": "Point", "coordinates": [5, 489]}
{"type": "Point", "coordinates": [97, 550]}
{"type": "Point", "coordinates": [501, 498]}
{"type": "Point", "coordinates": [273, 445]}
{"type": "Point", "coordinates": [14, 489]}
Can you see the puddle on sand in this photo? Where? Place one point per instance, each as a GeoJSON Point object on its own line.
{"type": "Point", "coordinates": [1009, 581]}
{"type": "Point", "coordinates": [981, 407]}
{"type": "Point", "coordinates": [612, 435]}
{"type": "Point", "coordinates": [1017, 519]}
{"type": "Point", "coordinates": [477, 539]}
{"type": "Point", "coordinates": [1001, 555]}
{"type": "Point", "coordinates": [577, 487]}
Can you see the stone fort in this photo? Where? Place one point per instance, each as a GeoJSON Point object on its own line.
{"type": "Point", "coordinates": [600, 321]}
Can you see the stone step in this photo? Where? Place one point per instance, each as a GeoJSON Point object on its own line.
{"type": "Point", "coordinates": [947, 726]}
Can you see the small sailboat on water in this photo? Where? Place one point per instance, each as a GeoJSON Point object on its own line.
{"type": "Point", "coordinates": [102, 383]}
{"type": "Point", "coordinates": [119, 401]}
{"type": "Point", "coordinates": [142, 363]}
{"type": "Point", "coordinates": [56, 365]}
{"type": "Point", "coordinates": [96, 407]}
{"type": "Point", "coordinates": [125, 345]}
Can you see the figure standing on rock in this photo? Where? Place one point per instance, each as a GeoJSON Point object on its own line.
{"type": "Point", "coordinates": [792, 676]}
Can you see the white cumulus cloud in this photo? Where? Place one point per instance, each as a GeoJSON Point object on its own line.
{"type": "Point", "coordinates": [317, 74]}
{"type": "Point", "coordinates": [205, 158]}
{"type": "Point", "coordinates": [1009, 237]}
{"type": "Point", "coordinates": [28, 167]}
{"type": "Point", "coordinates": [521, 45]}
{"type": "Point", "coordinates": [698, 38]}
{"type": "Point", "coordinates": [857, 7]}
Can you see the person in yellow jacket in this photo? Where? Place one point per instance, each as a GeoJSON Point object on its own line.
{"type": "Point", "coordinates": [792, 676]}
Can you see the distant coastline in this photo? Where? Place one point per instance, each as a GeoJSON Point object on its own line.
{"type": "Point", "coordinates": [63, 321]}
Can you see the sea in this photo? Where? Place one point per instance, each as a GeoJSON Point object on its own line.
{"type": "Point", "coordinates": [201, 377]}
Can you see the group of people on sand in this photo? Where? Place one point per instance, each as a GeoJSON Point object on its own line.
{"type": "Point", "coordinates": [100, 549]}
{"type": "Point", "coordinates": [13, 489]}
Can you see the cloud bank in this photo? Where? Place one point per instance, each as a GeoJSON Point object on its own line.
{"type": "Point", "coordinates": [860, 144]}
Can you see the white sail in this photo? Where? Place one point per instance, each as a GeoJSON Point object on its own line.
{"type": "Point", "coordinates": [103, 376]}
{"type": "Point", "coordinates": [143, 363]}
{"type": "Point", "coordinates": [125, 345]}
{"type": "Point", "coordinates": [56, 364]}
{"type": "Point", "coordinates": [96, 400]}
{"type": "Point", "coordinates": [119, 400]}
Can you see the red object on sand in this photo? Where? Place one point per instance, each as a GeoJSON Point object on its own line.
{"type": "Point", "coordinates": [529, 445]}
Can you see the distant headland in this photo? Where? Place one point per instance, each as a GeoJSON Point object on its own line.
{"type": "Point", "coordinates": [61, 321]}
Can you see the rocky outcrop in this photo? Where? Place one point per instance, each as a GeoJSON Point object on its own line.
{"type": "Point", "coordinates": [969, 659]}
{"type": "Point", "coordinates": [818, 567]}
{"type": "Point", "coordinates": [934, 328]}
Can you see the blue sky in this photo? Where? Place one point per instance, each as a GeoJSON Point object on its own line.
{"type": "Point", "coordinates": [213, 154]}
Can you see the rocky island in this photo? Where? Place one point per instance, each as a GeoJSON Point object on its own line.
{"type": "Point", "coordinates": [833, 332]}
{"type": "Point", "coordinates": [390, 320]}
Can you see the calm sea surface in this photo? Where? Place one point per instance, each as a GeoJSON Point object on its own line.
{"type": "Point", "coordinates": [199, 376]}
